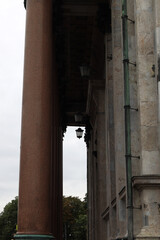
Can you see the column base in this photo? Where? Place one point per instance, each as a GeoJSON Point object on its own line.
{"type": "Point", "coordinates": [35, 237]}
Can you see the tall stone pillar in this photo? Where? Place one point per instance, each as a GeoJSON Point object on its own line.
{"type": "Point", "coordinates": [149, 181]}
{"type": "Point", "coordinates": [118, 115]}
{"type": "Point", "coordinates": [34, 214]}
{"type": "Point", "coordinates": [101, 165]}
{"type": "Point", "coordinates": [97, 161]}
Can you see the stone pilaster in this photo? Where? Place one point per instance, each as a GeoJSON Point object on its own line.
{"type": "Point", "coordinates": [34, 214]}
{"type": "Point", "coordinates": [147, 101]}
{"type": "Point", "coordinates": [101, 163]}
{"type": "Point", "coordinates": [92, 169]}
{"type": "Point", "coordinates": [110, 212]}
{"type": "Point", "coordinates": [97, 161]}
{"type": "Point", "coordinates": [118, 101]}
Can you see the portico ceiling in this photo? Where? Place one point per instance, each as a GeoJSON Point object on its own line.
{"type": "Point", "coordinates": [79, 41]}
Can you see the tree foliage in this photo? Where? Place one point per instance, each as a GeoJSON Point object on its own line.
{"type": "Point", "coordinates": [8, 220]}
{"type": "Point", "coordinates": [74, 218]}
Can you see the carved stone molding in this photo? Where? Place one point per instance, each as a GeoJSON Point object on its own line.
{"type": "Point", "coordinates": [146, 181]}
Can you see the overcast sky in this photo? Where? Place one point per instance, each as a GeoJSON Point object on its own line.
{"type": "Point", "coordinates": [12, 28]}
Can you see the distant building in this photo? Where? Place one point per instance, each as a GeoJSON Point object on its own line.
{"type": "Point", "coordinates": [117, 42]}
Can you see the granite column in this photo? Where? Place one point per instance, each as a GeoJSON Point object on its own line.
{"type": "Point", "coordinates": [34, 214]}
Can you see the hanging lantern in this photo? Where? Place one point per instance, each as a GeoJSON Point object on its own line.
{"type": "Point", "coordinates": [78, 117]}
{"type": "Point", "coordinates": [79, 133]}
{"type": "Point", "coordinates": [85, 70]}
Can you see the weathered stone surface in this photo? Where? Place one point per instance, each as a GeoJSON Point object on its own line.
{"type": "Point", "coordinates": [144, 21]}
{"type": "Point", "coordinates": [144, 5]}
{"type": "Point", "coordinates": [148, 111]}
{"type": "Point", "coordinates": [145, 43]}
{"type": "Point", "coordinates": [150, 162]}
{"type": "Point", "coordinates": [149, 138]}
{"type": "Point", "coordinates": [147, 84]}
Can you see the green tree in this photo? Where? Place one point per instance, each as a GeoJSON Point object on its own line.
{"type": "Point", "coordinates": [8, 220]}
{"type": "Point", "coordinates": [74, 218]}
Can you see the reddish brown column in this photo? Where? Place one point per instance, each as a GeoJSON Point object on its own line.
{"type": "Point", "coordinates": [34, 217]}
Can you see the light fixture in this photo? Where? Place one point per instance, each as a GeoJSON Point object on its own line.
{"type": "Point", "coordinates": [78, 117]}
{"type": "Point", "coordinates": [85, 70]}
{"type": "Point", "coordinates": [79, 133]}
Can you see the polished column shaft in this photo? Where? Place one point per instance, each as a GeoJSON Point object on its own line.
{"type": "Point", "coordinates": [34, 218]}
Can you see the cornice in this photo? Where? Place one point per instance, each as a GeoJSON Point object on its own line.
{"type": "Point", "coordinates": [146, 181]}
